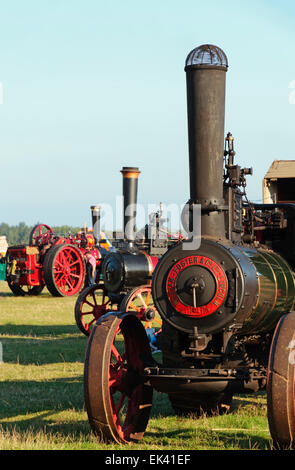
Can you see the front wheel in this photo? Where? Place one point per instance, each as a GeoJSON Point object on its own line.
{"type": "Point", "coordinates": [24, 290]}
{"type": "Point", "coordinates": [91, 304]}
{"type": "Point", "coordinates": [117, 401]}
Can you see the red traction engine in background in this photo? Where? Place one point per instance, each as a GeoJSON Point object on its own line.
{"type": "Point", "coordinates": [50, 260]}
{"type": "Point", "coordinates": [226, 296]}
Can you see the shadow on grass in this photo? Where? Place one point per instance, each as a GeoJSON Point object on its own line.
{"type": "Point", "coordinates": [39, 330]}
{"type": "Point", "coordinates": [241, 401]}
{"type": "Point", "coordinates": [20, 399]}
{"type": "Point", "coordinates": [7, 294]}
{"type": "Point", "coordinates": [34, 406]}
{"type": "Point", "coordinates": [44, 423]}
{"type": "Point", "coordinates": [220, 438]}
{"type": "Point", "coordinates": [43, 295]}
{"type": "Point", "coordinates": [242, 441]}
{"type": "Point", "coordinates": [39, 345]}
{"type": "Point", "coordinates": [162, 406]}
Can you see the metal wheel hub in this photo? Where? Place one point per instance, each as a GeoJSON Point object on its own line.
{"type": "Point", "coordinates": [149, 314]}
{"type": "Point", "coordinates": [125, 380]}
{"type": "Point", "coordinates": [99, 310]}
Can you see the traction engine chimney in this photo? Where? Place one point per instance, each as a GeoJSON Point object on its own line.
{"type": "Point", "coordinates": [130, 180]}
{"type": "Point", "coordinates": [95, 214]}
{"type": "Point", "coordinates": [206, 68]}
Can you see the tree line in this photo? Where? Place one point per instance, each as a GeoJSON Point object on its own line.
{"type": "Point", "coordinates": [20, 234]}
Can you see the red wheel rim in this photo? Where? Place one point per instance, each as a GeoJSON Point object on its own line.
{"type": "Point", "coordinates": [140, 300]}
{"type": "Point", "coordinates": [91, 305]}
{"type": "Point", "coordinates": [68, 270]}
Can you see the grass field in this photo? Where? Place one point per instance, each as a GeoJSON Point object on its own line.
{"type": "Point", "coordinates": [41, 390]}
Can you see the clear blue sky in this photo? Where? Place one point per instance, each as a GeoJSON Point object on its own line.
{"type": "Point", "coordinates": [91, 86]}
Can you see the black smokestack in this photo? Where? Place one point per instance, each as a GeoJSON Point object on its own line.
{"type": "Point", "coordinates": [206, 68]}
{"type": "Point", "coordinates": [130, 179]}
{"type": "Point", "coordinates": [95, 214]}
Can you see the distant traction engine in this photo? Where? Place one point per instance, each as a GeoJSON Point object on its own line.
{"type": "Point", "coordinates": [49, 260]}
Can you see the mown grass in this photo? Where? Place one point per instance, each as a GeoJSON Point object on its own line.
{"type": "Point", "coordinates": [41, 390]}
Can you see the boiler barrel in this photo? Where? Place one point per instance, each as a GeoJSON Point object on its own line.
{"type": "Point", "coordinates": [221, 286]}
{"type": "Point", "coordinates": [124, 270]}
{"type": "Point", "coordinates": [275, 294]}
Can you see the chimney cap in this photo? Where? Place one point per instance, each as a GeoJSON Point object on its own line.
{"type": "Point", "coordinates": [130, 168]}
{"type": "Point", "coordinates": [130, 172]}
{"type": "Point", "coordinates": [206, 56]}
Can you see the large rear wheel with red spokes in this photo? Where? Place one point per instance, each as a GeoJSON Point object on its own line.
{"type": "Point", "coordinates": [118, 402]}
{"type": "Point", "coordinates": [91, 304]}
{"type": "Point", "coordinates": [64, 270]}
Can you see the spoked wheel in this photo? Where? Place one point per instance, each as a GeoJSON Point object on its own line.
{"type": "Point", "coordinates": [281, 384]}
{"type": "Point", "coordinates": [140, 301]}
{"type": "Point", "coordinates": [64, 270]}
{"type": "Point", "coordinates": [91, 304]}
{"type": "Point", "coordinates": [117, 401]}
{"type": "Point", "coordinates": [24, 290]}
{"type": "Point", "coordinates": [39, 231]}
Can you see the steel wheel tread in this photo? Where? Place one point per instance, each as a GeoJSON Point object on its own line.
{"type": "Point", "coordinates": [102, 375]}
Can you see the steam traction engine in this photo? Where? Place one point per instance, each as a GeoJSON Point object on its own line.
{"type": "Point", "coordinates": [124, 279]}
{"type": "Point", "coordinates": [226, 299]}
{"type": "Point", "coordinates": [51, 260]}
